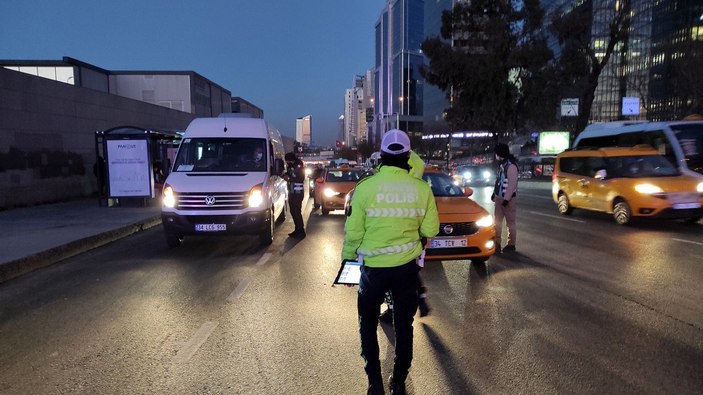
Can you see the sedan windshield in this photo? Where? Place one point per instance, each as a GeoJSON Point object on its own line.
{"type": "Point", "coordinates": [442, 185]}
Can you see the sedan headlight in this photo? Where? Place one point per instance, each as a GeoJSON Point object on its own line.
{"type": "Point", "coordinates": [699, 188]}
{"type": "Point", "coordinates": [485, 221]}
{"type": "Point", "coordinates": [329, 192]}
{"type": "Point", "coordinates": [256, 197]}
{"type": "Point", "coordinates": [486, 174]}
{"type": "Point", "coordinates": [648, 189]}
{"type": "Point", "coordinates": [467, 175]}
{"type": "Point", "coordinates": [169, 197]}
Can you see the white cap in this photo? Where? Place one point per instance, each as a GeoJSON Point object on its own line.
{"type": "Point", "coordinates": [395, 142]}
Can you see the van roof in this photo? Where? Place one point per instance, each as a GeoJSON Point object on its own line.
{"type": "Point", "coordinates": [227, 127]}
{"type": "Point", "coordinates": [641, 149]}
{"type": "Point", "coordinates": [598, 129]}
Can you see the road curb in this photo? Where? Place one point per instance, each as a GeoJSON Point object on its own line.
{"type": "Point", "coordinates": [18, 267]}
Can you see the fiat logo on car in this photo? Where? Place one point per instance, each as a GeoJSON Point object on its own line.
{"type": "Point", "coordinates": [209, 200]}
{"type": "Point", "coordinates": [448, 229]}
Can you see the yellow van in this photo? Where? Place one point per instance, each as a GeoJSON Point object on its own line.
{"type": "Point", "coordinates": [626, 182]}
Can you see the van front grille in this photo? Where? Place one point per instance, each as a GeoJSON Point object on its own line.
{"type": "Point", "coordinates": [211, 201]}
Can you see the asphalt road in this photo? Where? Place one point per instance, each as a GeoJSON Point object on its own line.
{"type": "Point", "coordinates": [585, 306]}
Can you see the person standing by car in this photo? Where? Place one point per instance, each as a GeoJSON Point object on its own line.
{"type": "Point", "coordinates": [505, 197]}
{"type": "Point", "coordinates": [390, 212]}
{"type": "Point", "coordinates": [417, 169]}
{"type": "Point", "coordinates": [296, 179]}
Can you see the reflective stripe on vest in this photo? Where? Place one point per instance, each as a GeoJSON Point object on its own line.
{"type": "Point", "coordinates": [395, 212]}
{"type": "Point", "coordinates": [389, 250]}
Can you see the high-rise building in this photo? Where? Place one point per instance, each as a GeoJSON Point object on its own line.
{"type": "Point", "coordinates": [398, 60]}
{"type": "Point", "coordinates": [358, 110]}
{"type": "Point", "coordinates": [303, 130]}
{"type": "Point", "coordinates": [435, 100]}
{"type": "Point", "coordinates": [663, 42]}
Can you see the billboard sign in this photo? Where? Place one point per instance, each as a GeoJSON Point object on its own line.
{"type": "Point", "coordinates": [553, 142]}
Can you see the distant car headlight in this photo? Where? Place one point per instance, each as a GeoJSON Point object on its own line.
{"type": "Point", "coordinates": [699, 188]}
{"type": "Point", "coordinates": [648, 189]}
{"type": "Point", "coordinates": [329, 192]}
{"type": "Point", "coordinates": [486, 174]}
{"type": "Point", "coordinates": [485, 221]}
{"type": "Point", "coordinates": [256, 196]}
{"type": "Point", "coordinates": [169, 197]}
{"type": "Point", "coordinates": [467, 175]}
{"type": "Point", "coordinates": [308, 172]}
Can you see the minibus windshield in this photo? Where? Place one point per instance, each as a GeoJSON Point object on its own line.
{"type": "Point", "coordinates": [221, 155]}
{"type": "Point", "coordinates": [690, 138]}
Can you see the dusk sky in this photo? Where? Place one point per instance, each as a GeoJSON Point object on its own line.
{"type": "Point", "coordinates": [291, 58]}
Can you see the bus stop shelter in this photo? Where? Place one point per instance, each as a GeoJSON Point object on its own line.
{"type": "Point", "coordinates": [131, 163]}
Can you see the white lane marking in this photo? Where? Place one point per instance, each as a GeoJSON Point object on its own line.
{"type": "Point", "coordinates": [264, 258]}
{"type": "Point", "coordinates": [537, 196]}
{"type": "Point", "coordinates": [187, 352]}
{"type": "Point", "coordinates": [239, 290]}
{"type": "Point", "coordinates": [688, 241]}
{"type": "Point", "coordinates": [557, 217]}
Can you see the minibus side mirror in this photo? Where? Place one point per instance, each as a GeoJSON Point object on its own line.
{"type": "Point", "coordinates": [601, 174]}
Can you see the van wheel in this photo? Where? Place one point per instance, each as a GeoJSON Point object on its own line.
{"type": "Point", "coordinates": [266, 235]}
{"type": "Point", "coordinates": [325, 211]}
{"type": "Point", "coordinates": [173, 240]}
{"type": "Point", "coordinates": [563, 205]}
{"type": "Point", "coordinates": [622, 213]}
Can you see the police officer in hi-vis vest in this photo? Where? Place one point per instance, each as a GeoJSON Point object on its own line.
{"type": "Point", "coordinates": [296, 179]}
{"type": "Point", "coordinates": [505, 197]}
{"type": "Point", "coordinates": [390, 213]}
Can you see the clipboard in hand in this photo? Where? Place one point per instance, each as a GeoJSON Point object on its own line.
{"type": "Point", "coordinates": [349, 272]}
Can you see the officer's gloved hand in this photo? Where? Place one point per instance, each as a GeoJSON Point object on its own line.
{"type": "Point", "coordinates": [493, 197]}
{"type": "Point", "coordinates": [505, 203]}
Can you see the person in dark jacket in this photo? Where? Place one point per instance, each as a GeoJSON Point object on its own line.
{"type": "Point", "coordinates": [296, 181]}
{"type": "Point", "coordinates": [505, 197]}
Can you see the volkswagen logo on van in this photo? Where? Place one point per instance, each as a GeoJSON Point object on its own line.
{"type": "Point", "coordinates": [448, 229]}
{"type": "Point", "coordinates": [209, 200]}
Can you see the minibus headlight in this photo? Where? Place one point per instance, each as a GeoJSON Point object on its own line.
{"type": "Point", "coordinates": [648, 189]}
{"type": "Point", "coordinates": [169, 197]}
{"type": "Point", "coordinates": [485, 221]}
{"type": "Point", "coordinates": [329, 192]}
{"type": "Point", "coordinates": [256, 197]}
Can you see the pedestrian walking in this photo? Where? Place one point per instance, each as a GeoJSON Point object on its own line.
{"type": "Point", "coordinates": [296, 178]}
{"type": "Point", "coordinates": [390, 212]}
{"type": "Point", "coordinates": [505, 197]}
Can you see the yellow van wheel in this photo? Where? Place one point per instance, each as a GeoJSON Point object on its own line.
{"type": "Point", "coordinates": [622, 213]}
{"type": "Point", "coordinates": [563, 205]}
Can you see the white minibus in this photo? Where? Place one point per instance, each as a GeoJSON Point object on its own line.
{"type": "Point", "coordinates": [681, 142]}
{"type": "Point", "coordinates": [226, 179]}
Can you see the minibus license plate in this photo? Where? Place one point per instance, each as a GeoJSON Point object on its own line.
{"type": "Point", "coordinates": [447, 243]}
{"type": "Point", "coordinates": [210, 227]}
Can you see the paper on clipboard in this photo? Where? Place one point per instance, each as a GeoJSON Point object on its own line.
{"type": "Point", "coordinates": [349, 273]}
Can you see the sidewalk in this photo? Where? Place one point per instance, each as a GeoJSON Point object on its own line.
{"type": "Point", "coordinates": [34, 237]}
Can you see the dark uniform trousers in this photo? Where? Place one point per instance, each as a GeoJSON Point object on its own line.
{"type": "Point", "coordinates": [295, 204]}
{"type": "Point", "coordinates": [402, 281]}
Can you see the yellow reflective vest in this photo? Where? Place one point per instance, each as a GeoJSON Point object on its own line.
{"type": "Point", "coordinates": [390, 211]}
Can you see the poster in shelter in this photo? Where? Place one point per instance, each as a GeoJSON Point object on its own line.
{"type": "Point", "coordinates": [128, 168]}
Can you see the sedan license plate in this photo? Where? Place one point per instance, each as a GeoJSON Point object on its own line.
{"type": "Point", "coordinates": [210, 227]}
{"type": "Point", "coordinates": [447, 243]}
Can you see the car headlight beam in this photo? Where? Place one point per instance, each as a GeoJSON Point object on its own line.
{"type": "Point", "coordinates": [256, 197]}
{"type": "Point", "coordinates": [485, 221]}
{"type": "Point", "coordinates": [329, 192]}
{"type": "Point", "coordinates": [169, 197]}
{"type": "Point", "coordinates": [648, 189]}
